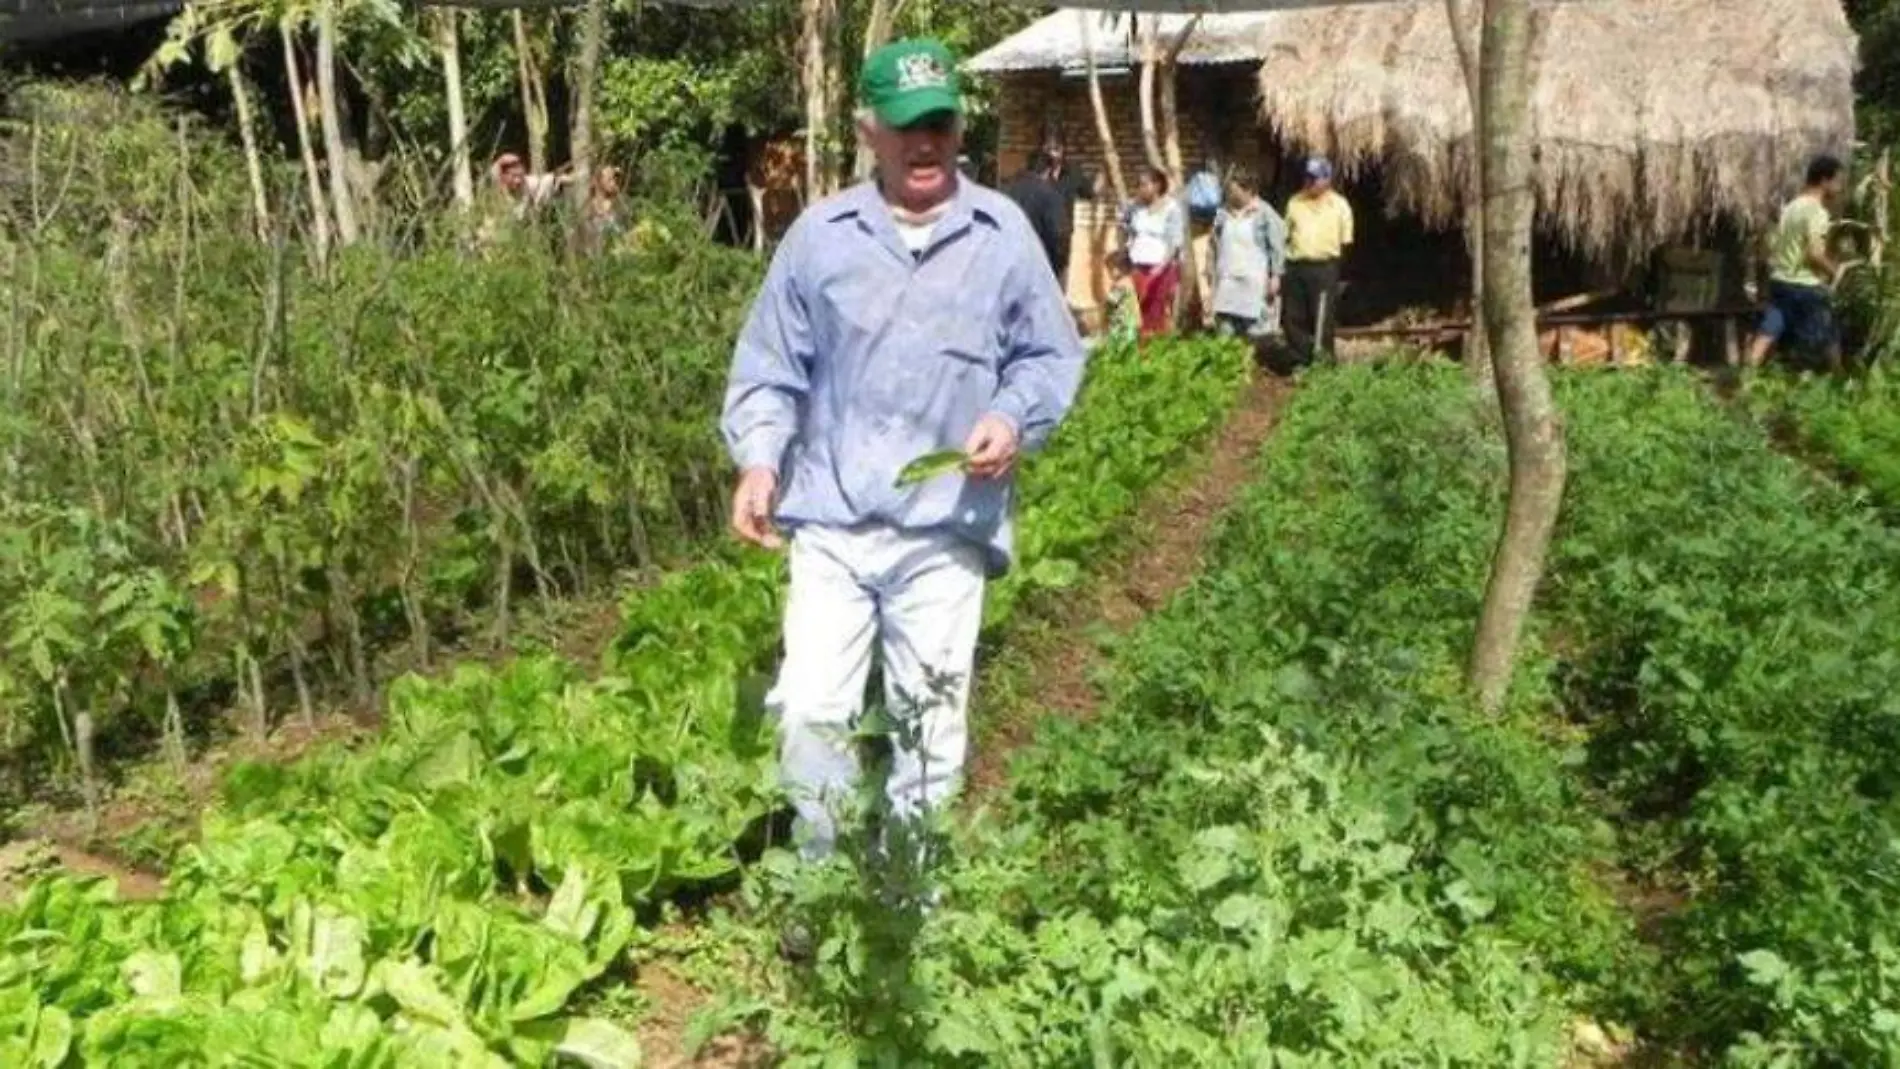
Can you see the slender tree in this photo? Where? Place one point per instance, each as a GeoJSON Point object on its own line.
{"type": "Point", "coordinates": [222, 30]}
{"type": "Point", "coordinates": [534, 93]}
{"type": "Point", "coordinates": [1170, 76]}
{"type": "Point", "coordinates": [819, 82]}
{"type": "Point", "coordinates": [1161, 132]}
{"type": "Point", "coordinates": [330, 118]}
{"type": "Point", "coordinates": [1533, 429]}
{"type": "Point", "coordinates": [1104, 130]}
{"type": "Point", "coordinates": [448, 43]}
{"type": "Point", "coordinates": [1463, 18]}
{"type": "Point", "coordinates": [313, 178]}
{"type": "Point", "coordinates": [878, 26]}
{"type": "Point", "coordinates": [587, 82]}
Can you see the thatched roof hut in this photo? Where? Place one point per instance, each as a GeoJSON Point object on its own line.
{"type": "Point", "coordinates": [1650, 117]}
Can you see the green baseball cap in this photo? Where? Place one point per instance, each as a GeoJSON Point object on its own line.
{"type": "Point", "coordinates": [906, 80]}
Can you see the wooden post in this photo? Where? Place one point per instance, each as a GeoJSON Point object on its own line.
{"type": "Point", "coordinates": [1731, 343]}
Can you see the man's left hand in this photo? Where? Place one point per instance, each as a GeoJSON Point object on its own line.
{"type": "Point", "coordinates": [991, 447]}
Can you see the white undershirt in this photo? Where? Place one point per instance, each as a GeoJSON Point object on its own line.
{"type": "Point", "coordinates": [916, 236]}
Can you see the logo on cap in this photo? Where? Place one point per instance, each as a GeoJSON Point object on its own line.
{"type": "Point", "coordinates": [920, 70]}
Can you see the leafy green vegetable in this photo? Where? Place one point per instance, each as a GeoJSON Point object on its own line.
{"type": "Point", "coordinates": [359, 906]}
{"type": "Point", "coordinates": [931, 465]}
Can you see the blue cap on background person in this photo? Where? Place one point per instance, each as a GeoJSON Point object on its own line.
{"type": "Point", "coordinates": [1319, 169]}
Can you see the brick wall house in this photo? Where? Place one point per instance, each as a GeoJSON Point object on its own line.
{"type": "Point", "coordinates": [1216, 109]}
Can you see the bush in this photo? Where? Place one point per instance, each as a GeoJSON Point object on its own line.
{"type": "Point", "coordinates": [223, 461]}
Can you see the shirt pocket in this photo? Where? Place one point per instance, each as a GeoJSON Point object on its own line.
{"type": "Point", "coordinates": [955, 373]}
{"type": "Point", "coordinates": [967, 329]}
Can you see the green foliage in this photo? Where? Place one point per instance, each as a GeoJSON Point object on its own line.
{"type": "Point", "coordinates": [1120, 443]}
{"type": "Point", "coordinates": [1288, 840]}
{"type": "Point", "coordinates": [223, 463]}
{"type": "Point", "coordinates": [1877, 83]}
{"type": "Point", "coordinates": [1737, 622]}
{"type": "Point", "coordinates": [1853, 424]}
{"type": "Point", "coordinates": [96, 169]}
{"type": "Point", "coordinates": [385, 905]}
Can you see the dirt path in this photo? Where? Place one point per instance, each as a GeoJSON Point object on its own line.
{"type": "Point", "coordinates": [1056, 662]}
{"type": "Point", "coordinates": [1047, 672]}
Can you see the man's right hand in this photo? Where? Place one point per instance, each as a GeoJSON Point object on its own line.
{"type": "Point", "coordinates": [752, 508]}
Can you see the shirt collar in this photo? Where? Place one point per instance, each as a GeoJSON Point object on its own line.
{"type": "Point", "coordinates": [864, 204]}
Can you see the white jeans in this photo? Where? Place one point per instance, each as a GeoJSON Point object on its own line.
{"type": "Point", "coordinates": [919, 597]}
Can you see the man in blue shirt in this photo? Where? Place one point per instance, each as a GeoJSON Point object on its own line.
{"type": "Point", "coordinates": [910, 314]}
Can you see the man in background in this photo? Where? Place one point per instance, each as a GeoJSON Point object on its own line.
{"type": "Point", "coordinates": [1319, 231]}
{"type": "Point", "coordinates": [1073, 184]}
{"type": "Point", "coordinates": [1801, 271]}
{"type": "Point", "coordinates": [526, 192]}
{"type": "Point", "coordinates": [1035, 192]}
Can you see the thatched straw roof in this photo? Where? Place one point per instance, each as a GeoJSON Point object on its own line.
{"type": "Point", "coordinates": [1649, 117]}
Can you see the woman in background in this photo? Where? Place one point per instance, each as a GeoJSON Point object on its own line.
{"type": "Point", "coordinates": [1154, 229]}
{"type": "Point", "coordinates": [1249, 258]}
{"type": "Point", "coordinates": [603, 222]}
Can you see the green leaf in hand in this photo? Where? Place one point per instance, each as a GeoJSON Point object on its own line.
{"type": "Point", "coordinates": [931, 465]}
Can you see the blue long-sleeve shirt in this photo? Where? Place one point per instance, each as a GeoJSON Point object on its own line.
{"type": "Point", "coordinates": [860, 356]}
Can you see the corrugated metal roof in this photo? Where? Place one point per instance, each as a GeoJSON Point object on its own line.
{"type": "Point", "coordinates": [1055, 42]}
{"type": "Point", "coordinates": [24, 21]}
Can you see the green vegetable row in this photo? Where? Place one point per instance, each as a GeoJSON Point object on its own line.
{"type": "Point", "coordinates": [223, 466]}
{"type": "Point", "coordinates": [1851, 426]}
{"type": "Point", "coordinates": [1738, 637]}
{"type": "Point", "coordinates": [441, 895]}
{"type": "Point", "coordinates": [1288, 839]}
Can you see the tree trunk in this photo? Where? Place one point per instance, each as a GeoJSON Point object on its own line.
{"type": "Point", "coordinates": [84, 749]}
{"type": "Point", "coordinates": [534, 95]}
{"type": "Point", "coordinates": [587, 78]}
{"type": "Point", "coordinates": [319, 204]}
{"type": "Point", "coordinates": [449, 42]}
{"type": "Point", "coordinates": [877, 34]}
{"type": "Point", "coordinates": [1104, 130]}
{"type": "Point", "coordinates": [1169, 74]}
{"type": "Point", "coordinates": [1533, 429]}
{"type": "Point", "coordinates": [342, 201]}
{"type": "Point", "coordinates": [1150, 59]}
{"type": "Point", "coordinates": [1464, 33]}
{"type": "Point", "coordinates": [253, 159]}
{"type": "Point", "coordinates": [818, 81]}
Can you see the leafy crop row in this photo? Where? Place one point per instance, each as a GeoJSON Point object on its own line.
{"type": "Point", "coordinates": [385, 906]}
{"type": "Point", "coordinates": [221, 466]}
{"type": "Point", "coordinates": [1288, 840]}
{"type": "Point", "coordinates": [1852, 424]}
{"type": "Point", "coordinates": [1738, 625]}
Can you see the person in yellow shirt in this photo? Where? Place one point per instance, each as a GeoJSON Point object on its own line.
{"type": "Point", "coordinates": [1801, 272]}
{"type": "Point", "coordinates": [1319, 231]}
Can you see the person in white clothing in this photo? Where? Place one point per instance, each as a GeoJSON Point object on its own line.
{"type": "Point", "coordinates": [911, 314]}
{"type": "Point", "coordinates": [527, 192]}
{"type": "Point", "coordinates": [1154, 230]}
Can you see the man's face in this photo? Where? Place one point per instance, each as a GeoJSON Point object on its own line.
{"type": "Point", "coordinates": [1833, 188]}
{"type": "Point", "coordinates": [1054, 153]}
{"type": "Point", "coordinates": [918, 163]}
{"type": "Point", "coordinates": [513, 176]}
{"type": "Point", "coordinates": [1238, 196]}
